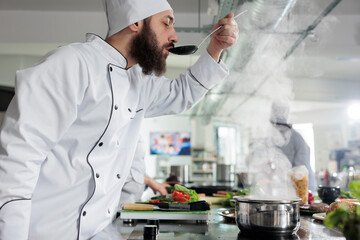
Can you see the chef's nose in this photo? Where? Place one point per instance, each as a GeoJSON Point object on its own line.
{"type": "Point", "coordinates": [173, 36]}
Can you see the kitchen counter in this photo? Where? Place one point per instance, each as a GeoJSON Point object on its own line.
{"type": "Point", "coordinates": [216, 228]}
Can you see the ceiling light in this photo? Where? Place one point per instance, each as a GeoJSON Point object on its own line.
{"type": "Point", "coordinates": [349, 59]}
{"type": "Point", "coordinates": [353, 111]}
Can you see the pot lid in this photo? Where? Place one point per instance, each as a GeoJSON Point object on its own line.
{"type": "Point", "coordinates": [257, 199]}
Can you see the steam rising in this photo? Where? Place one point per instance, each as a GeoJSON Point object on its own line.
{"type": "Point", "coordinates": [259, 77]}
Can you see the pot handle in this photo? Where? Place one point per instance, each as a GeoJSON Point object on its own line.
{"type": "Point", "coordinates": [289, 208]}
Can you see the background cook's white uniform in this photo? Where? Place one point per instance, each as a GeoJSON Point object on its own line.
{"type": "Point", "coordinates": [298, 153]}
{"type": "Point", "coordinates": [69, 137]}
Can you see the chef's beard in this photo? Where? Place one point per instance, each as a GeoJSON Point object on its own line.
{"type": "Point", "coordinates": [145, 50]}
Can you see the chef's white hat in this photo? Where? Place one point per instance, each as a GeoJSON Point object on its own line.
{"type": "Point", "coordinates": [122, 13]}
{"type": "Point", "coordinates": [280, 110]}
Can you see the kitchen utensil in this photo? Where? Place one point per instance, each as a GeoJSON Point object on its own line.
{"type": "Point", "coordinates": [272, 217]}
{"type": "Point", "coordinates": [166, 215]}
{"type": "Point", "coordinates": [328, 194]}
{"type": "Point", "coordinates": [154, 221]}
{"type": "Point", "coordinates": [190, 49]}
{"type": "Point", "coordinates": [245, 179]}
{"type": "Point", "coordinates": [150, 232]}
{"type": "Point", "coordinates": [194, 206]}
{"type": "Point", "coordinates": [209, 190]}
{"type": "Point", "coordinates": [224, 173]}
{"type": "Point", "coordinates": [182, 172]}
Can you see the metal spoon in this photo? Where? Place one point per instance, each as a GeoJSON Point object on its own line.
{"type": "Point", "coordinates": [190, 49]}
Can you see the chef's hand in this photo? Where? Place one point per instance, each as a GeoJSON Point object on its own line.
{"type": "Point", "coordinates": [156, 186]}
{"type": "Point", "coordinates": [224, 37]}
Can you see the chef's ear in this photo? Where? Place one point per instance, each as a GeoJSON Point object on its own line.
{"type": "Point", "coordinates": [135, 27]}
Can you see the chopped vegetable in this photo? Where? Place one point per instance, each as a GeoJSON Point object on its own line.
{"type": "Point", "coordinates": [180, 196]}
{"type": "Point", "coordinates": [227, 202]}
{"type": "Point", "coordinates": [155, 201]}
{"type": "Point", "coordinates": [346, 194]}
{"type": "Point", "coordinates": [192, 193]}
{"type": "Point", "coordinates": [311, 198]}
{"type": "Point", "coordinates": [346, 219]}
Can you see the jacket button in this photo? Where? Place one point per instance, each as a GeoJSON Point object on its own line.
{"type": "Point", "coordinates": [116, 107]}
{"type": "Point", "coordinates": [108, 211]}
{"type": "Point", "coordinates": [97, 175]}
{"type": "Point", "coordinates": [118, 176]}
{"type": "Point", "coordinates": [100, 144]}
{"type": "Point", "coordinates": [129, 109]}
{"type": "Point", "coordinates": [110, 69]}
{"type": "Point", "coordinates": [84, 213]}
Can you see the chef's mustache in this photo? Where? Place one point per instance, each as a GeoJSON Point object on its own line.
{"type": "Point", "coordinates": [167, 45]}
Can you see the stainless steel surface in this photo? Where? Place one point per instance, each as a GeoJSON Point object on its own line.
{"type": "Point", "coordinates": [274, 217]}
{"type": "Point", "coordinates": [245, 179]}
{"type": "Point", "coordinates": [224, 173]}
{"type": "Point", "coordinates": [217, 228]}
{"type": "Point", "coordinates": [181, 171]}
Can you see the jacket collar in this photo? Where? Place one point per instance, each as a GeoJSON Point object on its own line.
{"type": "Point", "coordinates": [115, 57]}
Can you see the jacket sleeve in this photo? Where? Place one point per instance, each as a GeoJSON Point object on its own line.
{"type": "Point", "coordinates": [164, 96]}
{"type": "Point", "coordinates": [43, 108]}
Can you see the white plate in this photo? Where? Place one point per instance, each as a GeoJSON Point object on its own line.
{"type": "Point", "coordinates": [319, 216]}
{"type": "Point", "coordinates": [230, 213]}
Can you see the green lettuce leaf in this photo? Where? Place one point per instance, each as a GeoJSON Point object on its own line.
{"type": "Point", "coordinates": [192, 193]}
{"type": "Point", "coordinates": [354, 187]}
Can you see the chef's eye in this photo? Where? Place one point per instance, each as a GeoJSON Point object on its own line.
{"type": "Point", "coordinates": [167, 24]}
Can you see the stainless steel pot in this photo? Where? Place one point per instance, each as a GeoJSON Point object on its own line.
{"type": "Point", "coordinates": [224, 173]}
{"type": "Point", "coordinates": [276, 217]}
{"type": "Point", "coordinates": [182, 172]}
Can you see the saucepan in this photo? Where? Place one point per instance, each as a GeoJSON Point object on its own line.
{"type": "Point", "coordinates": [269, 216]}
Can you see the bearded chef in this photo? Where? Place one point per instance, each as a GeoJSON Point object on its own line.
{"type": "Point", "coordinates": [70, 132]}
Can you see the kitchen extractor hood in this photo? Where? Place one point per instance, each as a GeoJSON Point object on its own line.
{"type": "Point", "coordinates": [265, 17]}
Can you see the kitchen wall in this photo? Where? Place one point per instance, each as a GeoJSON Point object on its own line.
{"type": "Point", "coordinates": [332, 130]}
{"type": "Point", "coordinates": [9, 64]}
{"type": "Point", "coordinates": [176, 123]}
{"type": "Point", "coordinates": [49, 26]}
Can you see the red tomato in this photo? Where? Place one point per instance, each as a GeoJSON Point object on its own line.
{"type": "Point", "coordinates": [180, 196]}
{"type": "Point", "coordinates": [311, 198]}
{"type": "Point", "coordinates": [154, 201]}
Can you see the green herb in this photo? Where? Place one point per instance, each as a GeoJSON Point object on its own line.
{"type": "Point", "coordinates": [227, 202]}
{"type": "Point", "coordinates": [354, 187]}
{"type": "Point", "coordinates": [347, 220]}
{"type": "Point", "coordinates": [346, 194]}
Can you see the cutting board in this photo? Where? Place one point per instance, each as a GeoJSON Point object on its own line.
{"type": "Point", "coordinates": [213, 200]}
{"type": "Point", "coordinates": [165, 215]}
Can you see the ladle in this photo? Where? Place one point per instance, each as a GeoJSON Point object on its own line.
{"type": "Point", "coordinates": [190, 49]}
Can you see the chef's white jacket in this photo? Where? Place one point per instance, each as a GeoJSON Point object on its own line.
{"type": "Point", "coordinates": [134, 185]}
{"type": "Point", "coordinates": [69, 136]}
